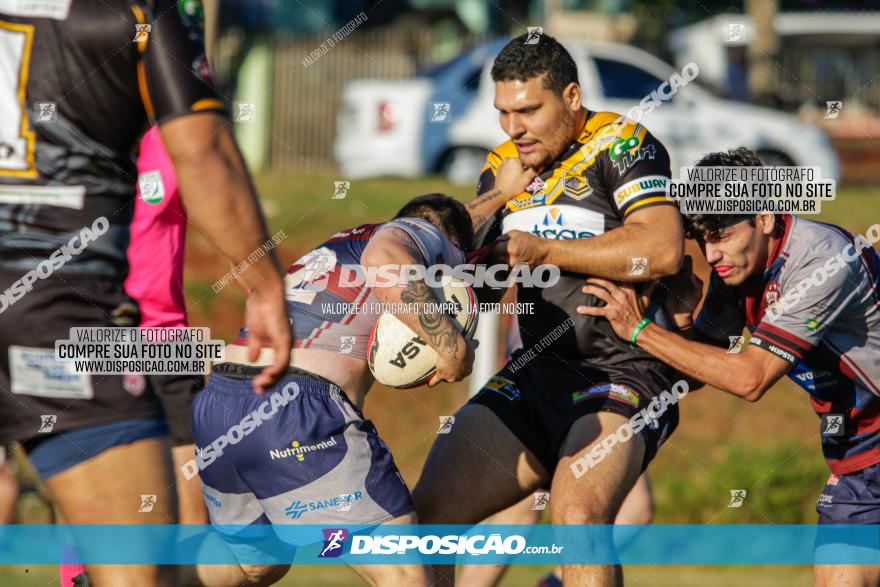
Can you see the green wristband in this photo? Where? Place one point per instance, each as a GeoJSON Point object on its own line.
{"type": "Point", "coordinates": [635, 333]}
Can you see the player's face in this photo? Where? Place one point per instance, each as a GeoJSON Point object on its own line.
{"type": "Point", "coordinates": [540, 122]}
{"type": "Point", "coordinates": [739, 251]}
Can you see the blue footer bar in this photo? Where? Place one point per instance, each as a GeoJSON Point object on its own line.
{"type": "Point", "coordinates": [656, 544]}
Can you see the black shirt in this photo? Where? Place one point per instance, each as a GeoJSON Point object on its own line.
{"type": "Point", "coordinates": [76, 92]}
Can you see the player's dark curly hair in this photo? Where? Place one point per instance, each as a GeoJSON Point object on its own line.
{"type": "Point", "coordinates": [444, 212]}
{"type": "Point", "coordinates": [698, 226]}
{"type": "Point", "coordinates": [521, 62]}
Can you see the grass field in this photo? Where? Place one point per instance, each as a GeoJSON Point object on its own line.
{"type": "Point", "coordinates": [771, 449]}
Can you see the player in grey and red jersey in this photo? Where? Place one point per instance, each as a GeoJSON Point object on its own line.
{"type": "Point", "coordinates": [809, 294]}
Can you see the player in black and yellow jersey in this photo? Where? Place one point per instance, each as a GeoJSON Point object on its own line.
{"type": "Point", "coordinates": [584, 191]}
{"type": "Point", "coordinates": [80, 81]}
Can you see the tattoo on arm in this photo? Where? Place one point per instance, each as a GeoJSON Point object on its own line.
{"type": "Point", "coordinates": [482, 199]}
{"type": "Point", "coordinates": [441, 334]}
{"type": "Point", "coordinates": [479, 220]}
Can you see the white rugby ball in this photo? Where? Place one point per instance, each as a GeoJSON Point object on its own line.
{"type": "Point", "coordinates": [399, 358]}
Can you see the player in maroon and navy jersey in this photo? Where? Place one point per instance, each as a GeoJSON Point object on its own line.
{"type": "Point", "coordinates": [809, 294]}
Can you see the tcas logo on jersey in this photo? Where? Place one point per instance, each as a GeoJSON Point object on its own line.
{"type": "Point", "coordinates": [554, 226]}
{"type": "Point", "coordinates": [562, 222]}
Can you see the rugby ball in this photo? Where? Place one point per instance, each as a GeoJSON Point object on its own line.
{"type": "Point", "coordinates": [398, 357]}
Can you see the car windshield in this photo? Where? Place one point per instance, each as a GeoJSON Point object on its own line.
{"type": "Point", "coordinates": [622, 81]}
{"type": "Point", "coordinates": [435, 71]}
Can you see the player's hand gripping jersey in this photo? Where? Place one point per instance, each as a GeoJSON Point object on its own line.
{"type": "Point", "coordinates": [831, 334]}
{"type": "Point", "coordinates": [602, 177]}
{"type": "Point", "coordinates": [76, 92]}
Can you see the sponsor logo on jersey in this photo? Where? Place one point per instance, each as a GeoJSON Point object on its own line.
{"type": "Point", "coordinates": [650, 184]}
{"type": "Point", "coordinates": [151, 186]}
{"type": "Point", "coordinates": [563, 222]}
{"type": "Point", "coordinates": [524, 201]}
{"type": "Point", "coordinates": [191, 10]}
{"type": "Point", "coordinates": [211, 500]}
{"type": "Point", "coordinates": [536, 186]}
{"type": "Point", "coordinates": [811, 375]}
{"type": "Point", "coordinates": [299, 450]}
{"type": "Point", "coordinates": [629, 159]}
{"type": "Point", "coordinates": [623, 146]}
{"type": "Point", "coordinates": [575, 185]}
{"type": "Point", "coordinates": [298, 507]}
{"type": "Point", "coordinates": [505, 387]}
{"type": "Point", "coordinates": [772, 293]}
{"type": "Point", "coordinates": [776, 351]}
{"type": "Point", "coordinates": [55, 9]}
{"type": "Point", "coordinates": [613, 391]}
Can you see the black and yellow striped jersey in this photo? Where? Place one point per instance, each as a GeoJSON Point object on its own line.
{"type": "Point", "coordinates": [611, 170]}
{"type": "Point", "coordinates": [80, 82]}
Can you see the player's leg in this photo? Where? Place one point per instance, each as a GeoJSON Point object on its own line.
{"type": "Point", "coordinates": [217, 412]}
{"type": "Point", "coordinates": [596, 496]}
{"type": "Point", "coordinates": [491, 456]}
{"type": "Point", "coordinates": [83, 432]}
{"type": "Point", "coordinates": [849, 575]}
{"type": "Point", "coordinates": [487, 461]}
{"type": "Point", "coordinates": [8, 485]}
{"type": "Point", "coordinates": [239, 575]}
{"type": "Point", "coordinates": [477, 469]}
{"type": "Point", "coordinates": [176, 393]}
{"type": "Point", "coordinates": [523, 512]}
{"type": "Point", "coordinates": [106, 489]}
{"type": "Point", "coordinates": [853, 498]}
{"type": "Point", "coordinates": [638, 507]}
{"type": "Point", "coordinates": [393, 575]}
{"type": "Point", "coordinates": [189, 491]}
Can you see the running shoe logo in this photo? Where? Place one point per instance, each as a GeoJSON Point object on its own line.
{"type": "Point", "coordinates": [334, 542]}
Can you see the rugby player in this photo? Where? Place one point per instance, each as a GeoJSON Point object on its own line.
{"type": "Point", "coordinates": [809, 294]}
{"type": "Point", "coordinates": [79, 91]}
{"type": "Point", "coordinates": [637, 508]}
{"type": "Point", "coordinates": [317, 460]}
{"type": "Point", "coordinates": [597, 200]}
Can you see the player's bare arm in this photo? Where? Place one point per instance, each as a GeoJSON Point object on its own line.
{"type": "Point", "coordinates": [654, 233]}
{"type": "Point", "coordinates": [511, 180]}
{"type": "Point", "coordinates": [220, 199]}
{"type": "Point", "coordinates": [748, 374]}
{"type": "Point", "coordinates": [455, 354]}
